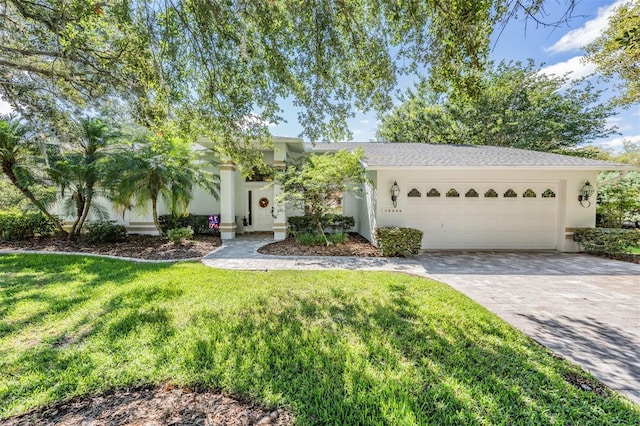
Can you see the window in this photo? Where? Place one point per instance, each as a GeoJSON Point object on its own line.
{"type": "Point", "coordinates": [529, 193]}
{"type": "Point", "coordinates": [453, 193]}
{"type": "Point", "coordinates": [548, 194]}
{"type": "Point", "coordinates": [491, 193]}
{"type": "Point", "coordinates": [433, 193]}
{"type": "Point", "coordinates": [510, 193]}
{"type": "Point", "coordinates": [472, 193]}
{"type": "Point", "coordinates": [414, 193]}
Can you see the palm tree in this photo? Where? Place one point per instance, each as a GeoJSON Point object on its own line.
{"type": "Point", "coordinates": [162, 167]}
{"type": "Point", "coordinates": [83, 169]}
{"type": "Point", "coordinates": [15, 150]}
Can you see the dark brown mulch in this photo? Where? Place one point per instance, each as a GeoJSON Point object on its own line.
{"type": "Point", "coordinates": [137, 246]}
{"type": "Point", "coordinates": [586, 384]}
{"type": "Point", "coordinates": [165, 405]}
{"type": "Point", "coordinates": [356, 245]}
{"type": "Point", "coordinates": [625, 257]}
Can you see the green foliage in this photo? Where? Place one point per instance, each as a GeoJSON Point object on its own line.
{"type": "Point", "coordinates": [335, 347]}
{"type": "Point", "coordinates": [19, 225]}
{"type": "Point", "coordinates": [209, 66]}
{"type": "Point", "coordinates": [11, 197]}
{"type": "Point", "coordinates": [617, 50]}
{"type": "Point", "coordinates": [337, 238]}
{"type": "Point", "coordinates": [394, 241]}
{"type": "Point", "coordinates": [180, 235]}
{"type": "Point", "coordinates": [161, 165]}
{"type": "Point", "coordinates": [606, 240]}
{"type": "Point", "coordinates": [81, 169]}
{"type": "Point", "coordinates": [619, 201]}
{"type": "Point", "coordinates": [517, 106]}
{"type": "Point", "coordinates": [310, 238]}
{"type": "Point", "coordinates": [198, 222]}
{"type": "Point", "coordinates": [16, 160]}
{"type": "Point", "coordinates": [330, 223]}
{"type": "Point", "coordinates": [311, 183]}
{"type": "Point", "coordinates": [104, 231]}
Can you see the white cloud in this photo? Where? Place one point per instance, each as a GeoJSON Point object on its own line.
{"type": "Point", "coordinates": [616, 144]}
{"type": "Point", "coordinates": [5, 108]}
{"type": "Point", "coordinates": [580, 37]}
{"type": "Point", "coordinates": [575, 66]}
{"type": "Point", "coordinates": [619, 123]}
{"type": "Point", "coordinates": [364, 121]}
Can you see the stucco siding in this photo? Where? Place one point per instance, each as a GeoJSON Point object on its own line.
{"type": "Point", "coordinates": [458, 223]}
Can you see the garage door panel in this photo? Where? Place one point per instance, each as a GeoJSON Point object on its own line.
{"type": "Point", "coordinates": [486, 222]}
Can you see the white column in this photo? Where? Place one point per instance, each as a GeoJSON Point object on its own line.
{"type": "Point", "coordinates": [227, 200]}
{"type": "Point", "coordinates": [280, 211]}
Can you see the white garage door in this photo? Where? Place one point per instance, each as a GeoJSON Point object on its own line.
{"type": "Point", "coordinates": [485, 215]}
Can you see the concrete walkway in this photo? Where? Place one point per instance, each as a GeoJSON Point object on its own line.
{"type": "Point", "coordinates": [584, 308]}
{"type": "Point", "coordinates": [241, 253]}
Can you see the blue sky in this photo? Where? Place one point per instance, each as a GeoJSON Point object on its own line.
{"type": "Point", "coordinates": [559, 48]}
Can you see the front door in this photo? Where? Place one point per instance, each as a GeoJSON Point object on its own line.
{"type": "Point", "coordinates": [260, 201]}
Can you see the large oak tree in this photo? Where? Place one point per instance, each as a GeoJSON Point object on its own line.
{"type": "Point", "coordinates": [209, 65]}
{"type": "Point", "coordinates": [516, 106]}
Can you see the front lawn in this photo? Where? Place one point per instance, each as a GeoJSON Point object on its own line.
{"type": "Point", "coordinates": [332, 347]}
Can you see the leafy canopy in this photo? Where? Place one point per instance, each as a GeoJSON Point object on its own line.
{"type": "Point", "coordinates": [210, 65]}
{"type": "Point", "coordinates": [617, 52]}
{"type": "Point", "coordinates": [311, 183]}
{"type": "Point", "coordinates": [516, 106]}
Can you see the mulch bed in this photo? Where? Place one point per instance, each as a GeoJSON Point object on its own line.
{"type": "Point", "coordinates": [356, 245]}
{"type": "Point", "coordinates": [625, 257]}
{"type": "Point", "coordinates": [137, 246]}
{"type": "Point", "coordinates": [165, 405]}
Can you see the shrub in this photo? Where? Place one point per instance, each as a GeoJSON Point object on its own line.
{"type": "Point", "coordinates": [310, 239]}
{"type": "Point", "coordinates": [178, 235]}
{"type": "Point", "coordinates": [337, 238]}
{"type": "Point", "coordinates": [104, 231]}
{"type": "Point", "coordinates": [199, 223]}
{"type": "Point", "coordinates": [18, 225]}
{"type": "Point", "coordinates": [331, 223]}
{"type": "Point", "coordinates": [606, 240]}
{"type": "Point", "coordinates": [395, 241]}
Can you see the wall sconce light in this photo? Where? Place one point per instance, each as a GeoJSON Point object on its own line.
{"type": "Point", "coordinates": [585, 192]}
{"type": "Point", "coordinates": [395, 191]}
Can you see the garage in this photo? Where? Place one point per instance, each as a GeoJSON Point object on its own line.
{"type": "Point", "coordinates": [489, 215]}
{"type": "Point", "coordinates": [466, 197]}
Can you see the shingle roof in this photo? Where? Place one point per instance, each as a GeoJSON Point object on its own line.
{"type": "Point", "coordinates": [378, 154]}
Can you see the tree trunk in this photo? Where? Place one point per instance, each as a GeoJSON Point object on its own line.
{"type": "Point", "coordinates": [85, 213]}
{"type": "Point", "coordinates": [326, 241]}
{"type": "Point", "coordinates": [80, 205]}
{"type": "Point", "coordinates": [8, 172]}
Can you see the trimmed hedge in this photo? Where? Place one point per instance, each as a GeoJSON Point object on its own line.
{"type": "Point", "coordinates": [331, 223]}
{"type": "Point", "coordinates": [198, 222]}
{"type": "Point", "coordinates": [606, 240]}
{"type": "Point", "coordinates": [19, 225]}
{"type": "Point", "coordinates": [104, 231]}
{"type": "Point", "coordinates": [394, 241]}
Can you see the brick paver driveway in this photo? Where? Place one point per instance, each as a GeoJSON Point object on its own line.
{"type": "Point", "coordinates": [584, 308]}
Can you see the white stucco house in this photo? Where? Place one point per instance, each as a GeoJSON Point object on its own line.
{"type": "Point", "coordinates": [462, 197]}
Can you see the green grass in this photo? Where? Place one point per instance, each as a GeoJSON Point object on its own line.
{"type": "Point", "coordinates": [333, 347]}
{"type": "Point", "coordinates": [635, 250]}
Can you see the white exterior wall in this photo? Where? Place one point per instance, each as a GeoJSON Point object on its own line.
{"type": "Point", "coordinates": [570, 213]}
